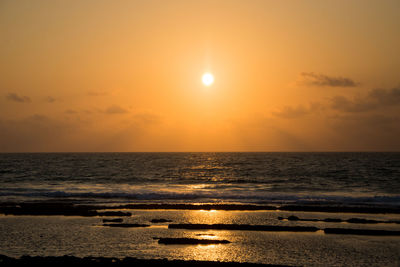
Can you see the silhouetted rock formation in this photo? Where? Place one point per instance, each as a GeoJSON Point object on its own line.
{"type": "Point", "coordinates": [358, 220]}
{"type": "Point", "coordinates": [351, 220]}
{"type": "Point", "coordinates": [70, 209]}
{"type": "Point", "coordinates": [244, 227]}
{"type": "Point", "coordinates": [340, 209]}
{"type": "Point", "coordinates": [205, 234]}
{"type": "Point", "coordinates": [293, 218]}
{"type": "Point", "coordinates": [114, 213]}
{"type": "Point", "coordinates": [160, 220]}
{"type": "Point", "coordinates": [65, 209]}
{"type": "Point", "coordinates": [190, 241]}
{"type": "Point", "coordinates": [101, 261]}
{"type": "Point", "coordinates": [126, 225]}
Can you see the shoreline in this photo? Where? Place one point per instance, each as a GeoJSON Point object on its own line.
{"type": "Point", "coordinates": [153, 236]}
{"type": "Point", "coordinates": [72, 209]}
{"type": "Point", "coordinates": [128, 261]}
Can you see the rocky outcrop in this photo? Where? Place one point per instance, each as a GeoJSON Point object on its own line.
{"type": "Point", "coordinates": [126, 225]}
{"type": "Point", "coordinates": [160, 221]}
{"type": "Point", "coordinates": [190, 241]}
{"type": "Point", "coordinates": [246, 227]}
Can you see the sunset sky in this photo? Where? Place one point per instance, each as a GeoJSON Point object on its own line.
{"type": "Point", "coordinates": [94, 76]}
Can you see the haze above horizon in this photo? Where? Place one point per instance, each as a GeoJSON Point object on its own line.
{"type": "Point", "coordinates": [129, 76]}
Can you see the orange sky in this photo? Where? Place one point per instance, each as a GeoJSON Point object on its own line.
{"type": "Point", "coordinates": [126, 75]}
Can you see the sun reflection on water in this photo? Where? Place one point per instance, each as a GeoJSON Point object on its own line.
{"type": "Point", "coordinates": [212, 252]}
{"type": "Point", "coordinates": [208, 210]}
{"type": "Point", "coordinates": [209, 216]}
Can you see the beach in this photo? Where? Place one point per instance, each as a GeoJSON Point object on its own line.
{"type": "Point", "coordinates": [133, 217]}
{"type": "Point", "coordinates": [254, 236]}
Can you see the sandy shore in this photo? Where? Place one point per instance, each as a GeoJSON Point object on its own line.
{"type": "Point", "coordinates": [184, 236]}
{"type": "Point", "coordinates": [100, 261]}
{"type": "Point", "coordinates": [71, 209]}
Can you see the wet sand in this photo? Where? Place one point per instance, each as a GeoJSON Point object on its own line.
{"type": "Point", "coordinates": [71, 209]}
{"type": "Point", "coordinates": [101, 261]}
{"type": "Point", "coordinates": [209, 232]}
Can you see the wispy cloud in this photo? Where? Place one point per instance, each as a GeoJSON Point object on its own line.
{"type": "Point", "coordinates": [115, 109]}
{"type": "Point", "coordinates": [17, 98]}
{"type": "Point", "coordinates": [316, 79]}
{"type": "Point", "coordinates": [96, 93]}
{"type": "Point", "coordinates": [50, 99]}
{"type": "Point", "coordinates": [71, 111]}
{"type": "Point", "coordinates": [289, 112]}
{"type": "Point", "coordinates": [375, 99]}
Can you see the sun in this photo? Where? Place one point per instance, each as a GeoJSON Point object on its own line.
{"type": "Point", "coordinates": [207, 79]}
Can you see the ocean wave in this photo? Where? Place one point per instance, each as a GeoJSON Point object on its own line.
{"type": "Point", "coordinates": [227, 195]}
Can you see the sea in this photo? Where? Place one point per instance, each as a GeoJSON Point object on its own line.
{"type": "Point", "coordinates": [259, 178]}
{"type": "Point", "coordinates": [250, 179]}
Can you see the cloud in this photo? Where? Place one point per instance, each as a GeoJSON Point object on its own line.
{"type": "Point", "coordinates": [41, 133]}
{"type": "Point", "coordinates": [33, 133]}
{"type": "Point", "coordinates": [96, 93]}
{"type": "Point", "coordinates": [366, 132]}
{"type": "Point", "coordinates": [315, 79]}
{"type": "Point", "coordinates": [368, 122]}
{"type": "Point", "coordinates": [289, 112]}
{"type": "Point", "coordinates": [71, 111]}
{"type": "Point", "coordinates": [147, 118]}
{"type": "Point", "coordinates": [375, 99]}
{"type": "Point", "coordinates": [16, 98]}
{"type": "Point", "coordinates": [389, 97]}
{"type": "Point", "coordinates": [50, 99]}
{"type": "Point", "coordinates": [115, 109]}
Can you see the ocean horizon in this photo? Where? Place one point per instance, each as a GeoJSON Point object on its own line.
{"type": "Point", "coordinates": [200, 177]}
{"type": "Point", "coordinates": [268, 208]}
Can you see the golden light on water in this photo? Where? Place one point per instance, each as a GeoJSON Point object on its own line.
{"type": "Point", "coordinates": [208, 210]}
{"type": "Point", "coordinates": [212, 252]}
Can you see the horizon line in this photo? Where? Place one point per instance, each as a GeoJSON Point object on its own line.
{"type": "Point", "coordinates": [277, 151]}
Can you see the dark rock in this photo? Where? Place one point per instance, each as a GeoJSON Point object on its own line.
{"type": "Point", "coordinates": [205, 234]}
{"type": "Point", "coordinates": [201, 206]}
{"type": "Point", "coordinates": [358, 220]}
{"type": "Point", "coordinates": [280, 218]}
{"type": "Point", "coordinates": [160, 220]}
{"type": "Point", "coordinates": [114, 213]}
{"type": "Point", "coordinates": [190, 241]}
{"type": "Point", "coordinates": [244, 227]}
{"type": "Point", "coordinates": [47, 209]}
{"type": "Point", "coordinates": [353, 209]}
{"type": "Point", "coordinates": [67, 209]}
{"type": "Point", "coordinates": [128, 261]}
{"type": "Point", "coordinates": [293, 218]}
{"type": "Point", "coordinates": [336, 220]}
{"type": "Point", "coordinates": [126, 225]}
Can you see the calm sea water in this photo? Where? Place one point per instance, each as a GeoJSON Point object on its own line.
{"type": "Point", "coordinates": [346, 178]}
{"type": "Point", "coordinates": [372, 178]}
